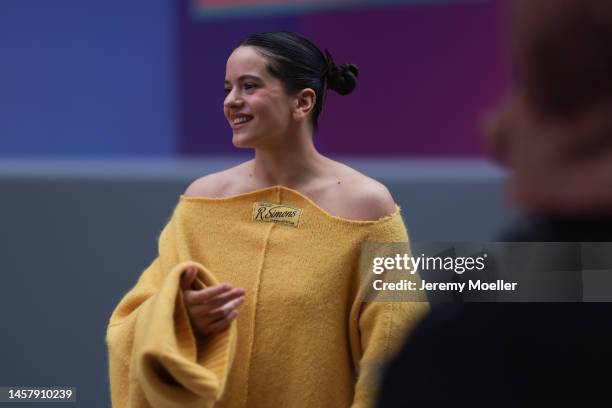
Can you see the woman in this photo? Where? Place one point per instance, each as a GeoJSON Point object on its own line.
{"type": "Point", "coordinates": [283, 231]}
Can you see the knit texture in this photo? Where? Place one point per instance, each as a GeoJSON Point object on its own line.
{"type": "Point", "coordinates": [302, 338]}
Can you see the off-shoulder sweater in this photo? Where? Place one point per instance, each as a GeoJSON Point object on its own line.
{"type": "Point", "coordinates": [303, 336]}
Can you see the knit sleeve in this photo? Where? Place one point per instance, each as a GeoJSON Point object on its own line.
{"type": "Point", "coordinates": [379, 328]}
{"type": "Point", "coordinates": [155, 359]}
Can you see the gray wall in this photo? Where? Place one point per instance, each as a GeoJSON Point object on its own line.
{"type": "Point", "coordinates": [77, 234]}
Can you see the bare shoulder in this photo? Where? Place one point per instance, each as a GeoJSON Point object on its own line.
{"type": "Point", "coordinates": [369, 198]}
{"type": "Point", "coordinates": [219, 184]}
{"type": "Point", "coordinates": [362, 197]}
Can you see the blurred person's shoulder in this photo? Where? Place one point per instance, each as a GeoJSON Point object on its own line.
{"type": "Point", "coordinates": [221, 184]}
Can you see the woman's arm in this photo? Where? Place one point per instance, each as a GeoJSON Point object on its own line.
{"type": "Point", "coordinates": [154, 357]}
{"type": "Point", "coordinates": [377, 329]}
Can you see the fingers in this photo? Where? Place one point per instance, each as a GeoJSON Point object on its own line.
{"type": "Point", "coordinates": [221, 299]}
{"type": "Point", "coordinates": [211, 309]}
{"type": "Point", "coordinates": [206, 295]}
{"type": "Point", "coordinates": [207, 321]}
{"type": "Point", "coordinates": [222, 324]}
{"type": "Point", "coordinates": [188, 277]}
{"type": "Point", "coordinates": [207, 315]}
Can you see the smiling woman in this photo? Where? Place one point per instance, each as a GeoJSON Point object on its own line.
{"type": "Point", "coordinates": [283, 231]}
{"type": "Point", "coordinates": [256, 106]}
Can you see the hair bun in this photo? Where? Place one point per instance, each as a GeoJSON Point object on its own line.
{"type": "Point", "coordinates": [343, 78]}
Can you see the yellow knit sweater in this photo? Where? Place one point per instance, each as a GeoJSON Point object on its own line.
{"type": "Point", "coordinates": [302, 337]}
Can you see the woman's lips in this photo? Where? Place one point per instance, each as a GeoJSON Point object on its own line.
{"type": "Point", "coordinates": [243, 122]}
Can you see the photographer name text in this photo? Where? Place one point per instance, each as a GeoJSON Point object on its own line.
{"type": "Point", "coordinates": [479, 285]}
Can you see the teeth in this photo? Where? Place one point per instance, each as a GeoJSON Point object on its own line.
{"type": "Point", "coordinates": [240, 119]}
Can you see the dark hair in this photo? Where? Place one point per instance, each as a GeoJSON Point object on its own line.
{"type": "Point", "coordinates": [300, 64]}
{"type": "Point", "coordinates": [564, 53]}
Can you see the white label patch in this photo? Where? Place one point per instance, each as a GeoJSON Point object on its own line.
{"type": "Point", "coordinates": [277, 213]}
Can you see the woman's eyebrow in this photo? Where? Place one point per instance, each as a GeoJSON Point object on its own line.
{"type": "Point", "coordinates": [246, 76]}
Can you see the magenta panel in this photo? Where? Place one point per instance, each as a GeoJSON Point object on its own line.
{"type": "Point", "coordinates": [427, 74]}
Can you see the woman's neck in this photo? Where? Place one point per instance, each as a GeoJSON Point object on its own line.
{"type": "Point", "coordinates": [292, 165]}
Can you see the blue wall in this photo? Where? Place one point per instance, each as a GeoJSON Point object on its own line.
{"type": "Point", "coordinates": [87, 77]}
{"type": "Point", "coordinates": [136, 78]}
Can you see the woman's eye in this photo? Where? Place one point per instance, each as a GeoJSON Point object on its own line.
{"type": "Point", "coordinates": [249, 86]}
{"type": "Point", "coordinates": [227, 90]}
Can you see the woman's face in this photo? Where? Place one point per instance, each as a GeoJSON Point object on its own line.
{"type": "Point", "coordinates": [256, 106]}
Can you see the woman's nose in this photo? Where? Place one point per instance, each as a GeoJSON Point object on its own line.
{"type": "Point", "coordinates": [232, 100]}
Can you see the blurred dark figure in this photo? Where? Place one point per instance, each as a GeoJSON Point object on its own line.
{"type": "Point", "coordinates": [500, 355]}
{"type": "Point", "coordinates": [554, 133]}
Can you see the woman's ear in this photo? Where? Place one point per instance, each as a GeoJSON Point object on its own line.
{"type": "Point", "coordinates": [303, 103]}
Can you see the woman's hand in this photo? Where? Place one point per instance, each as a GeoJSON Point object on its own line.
{"type": "Point", "coordinates": [211, 309]}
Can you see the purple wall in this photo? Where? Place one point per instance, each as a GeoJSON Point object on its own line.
{"type": "Point", "coordinates": [427, 74]}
